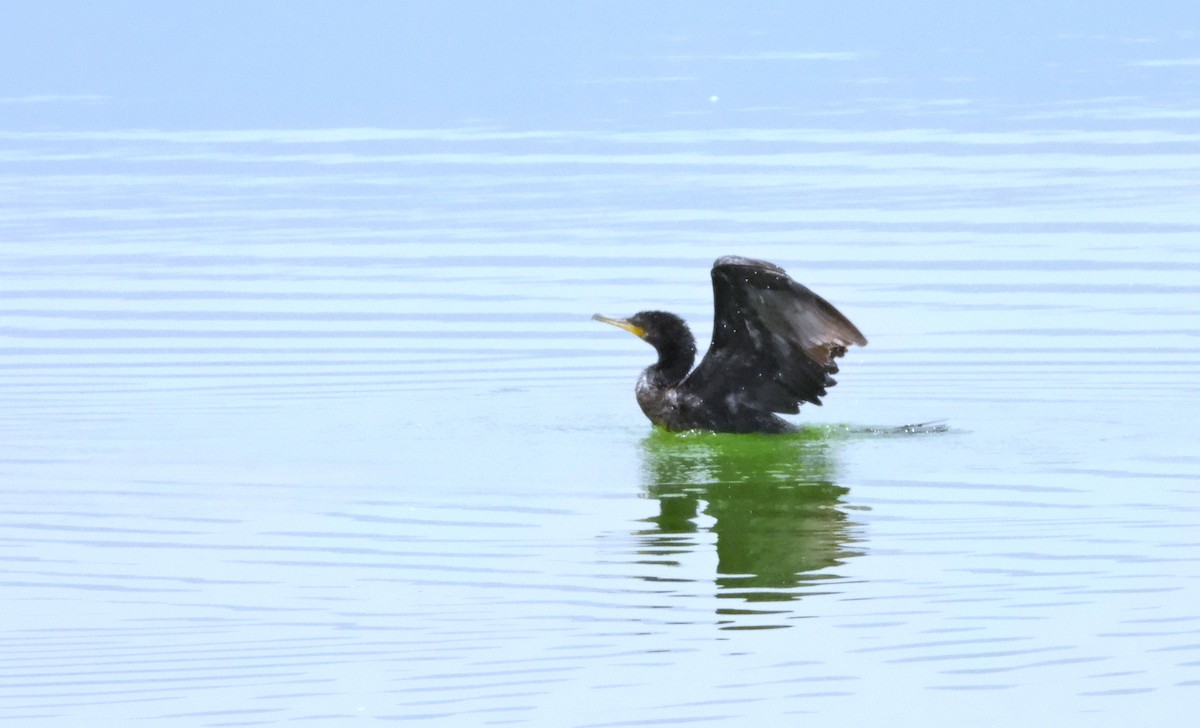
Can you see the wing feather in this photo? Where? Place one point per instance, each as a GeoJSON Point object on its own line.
{"type": "Point", "coordinates": [774, 341]}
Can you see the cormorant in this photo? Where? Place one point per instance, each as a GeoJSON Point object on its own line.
{"type": "Point", "coordinates": [773, 346]}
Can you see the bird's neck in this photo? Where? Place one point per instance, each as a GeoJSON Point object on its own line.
{"type": "Point", "coordinates": [674, 362]}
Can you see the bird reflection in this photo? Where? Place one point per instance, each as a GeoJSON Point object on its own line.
{"type": "Point", "coordinates": [775, 510]}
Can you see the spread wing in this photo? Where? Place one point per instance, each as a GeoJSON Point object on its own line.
{"type": "Point", "coordinates": [774, 341]}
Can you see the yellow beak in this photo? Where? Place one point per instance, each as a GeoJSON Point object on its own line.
{"type": "Point", "coordinates": [634, 329]}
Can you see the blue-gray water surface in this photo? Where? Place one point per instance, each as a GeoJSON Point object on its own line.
{"type": "Point", "coordinates": [310, 424]}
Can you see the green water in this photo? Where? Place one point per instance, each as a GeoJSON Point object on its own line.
{"type": "Point", "coordinates": [772, 504]}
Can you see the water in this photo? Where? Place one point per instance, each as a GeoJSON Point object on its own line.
{"type": "Point", "coordinates": [311, 424]}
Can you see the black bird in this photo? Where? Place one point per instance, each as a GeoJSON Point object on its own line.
{"type": "Point", "coordinates": [773, 346]}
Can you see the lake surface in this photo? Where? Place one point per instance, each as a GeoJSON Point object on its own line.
{"type": "Point", "coordinates": [311, 424]}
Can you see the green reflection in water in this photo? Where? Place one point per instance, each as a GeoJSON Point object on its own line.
{"type": "Point", "coordinates": [777, 513]}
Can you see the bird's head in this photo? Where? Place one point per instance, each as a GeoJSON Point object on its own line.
{"type": "Point", "coordinates": [667, 333]}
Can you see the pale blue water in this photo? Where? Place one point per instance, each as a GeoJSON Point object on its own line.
{"type": "Point", "coordinates": [304, 419]}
